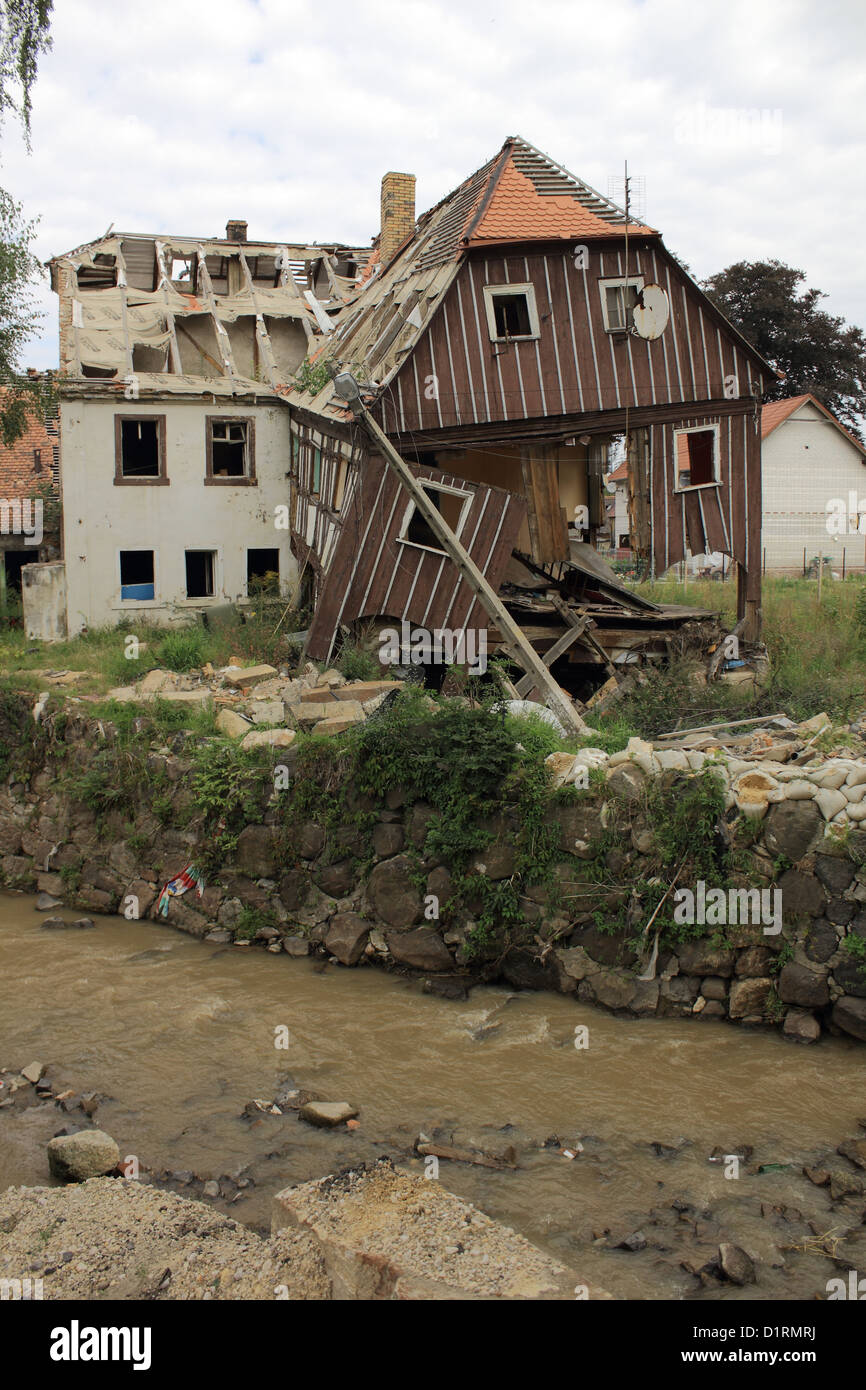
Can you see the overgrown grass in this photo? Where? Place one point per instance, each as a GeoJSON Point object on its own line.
{"type": "Point", "coordinates": [817, 657]}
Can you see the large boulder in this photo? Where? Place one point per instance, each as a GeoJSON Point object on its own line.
{"type": "Point", "coordinates": [801, 1026]}
{"type": "Point", "coordinates": [836, 874]}
{"type": "Point", "coordinates": [804, 987]}
{"type": "Point", "coordinates": [393, 896]}
{"type": "Point", "coordinates": [821, 941]}
{"type": "Point", "coordinates": [748, 997]}
{"type": "Point", "coordinates": [607, 948]}
{"type": "Point", "coordinates": [256, 851]}
{"type": "Point", "coordinates": [792, 828]}
{"type": "Point", "coordinates": [615, 989]}
{"type": "Point", "coordinates": [851, 978]}
{"type": "Point", "coordinates": [309, 840]}
{"type": "Point", "coordinates": [579, 825]}
{"type": "Point", "coordinates": [702, 958]}
{"type": "Point", "coordinates": [337, 880]}
{"type": "Point", "coordinates": [422, 949]}
{"type": "Point", "coordinates": [347, 937]}
{"type": "Point", "coordinates": [76, 1157]}
{"type": "Point", "coordinates": [387, 840]}
{"type": "Point", "coordinates": [850, 1015]}
{"type": "Point", "coordinates": [802, 894]}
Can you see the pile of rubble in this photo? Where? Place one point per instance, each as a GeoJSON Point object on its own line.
{"type": "Point", "coordinates": [776, 762]}
{"type": "Point", "coordinates": [261, 705]}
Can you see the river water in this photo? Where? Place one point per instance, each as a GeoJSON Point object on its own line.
{"type": "Point", "coordinates": [180, 1034]}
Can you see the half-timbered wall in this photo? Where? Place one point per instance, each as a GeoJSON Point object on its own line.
{"type": "Point", "coordinates": [458, 376]}
{"type": "Point", "coordinates": [324, 472]}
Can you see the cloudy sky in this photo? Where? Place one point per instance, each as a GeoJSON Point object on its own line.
{"type": "Point", "coordinates": [744, 120]}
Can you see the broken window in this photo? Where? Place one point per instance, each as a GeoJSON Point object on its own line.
{"type": "Point", "coordinates": [200, 567]}
{"type": "Point", "coordinates": [182, 272]}
{"type": "Point", "coordinates": [136, 575]}
{"type": "Point", "coordinates": [696, 452]}
{"type": "Point", "coordinates": [230, 449]}
{"type": "Point", "coordinates": [139, 449]}
{"type": "Point", "coordinates": [452, 505]}
{"type": "Point", "coordinates": [101, 275]}
{"type": "Point", "coordinates": [619, 299]}
{"type": "Point", "coordinates": [511, 311]}
{"type": "Point", "coordinates": [263, 571]}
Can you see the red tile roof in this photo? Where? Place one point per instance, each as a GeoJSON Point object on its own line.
{"type": "Point", "coordinates": [619, 474]}
{"type": "Point", "coordinates": [774, 413]}
{"type": "Point", "coordinates": [517, 211]}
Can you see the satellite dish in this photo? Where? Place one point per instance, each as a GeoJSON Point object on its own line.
{"type": "Point", "coordinates": [651, 312]}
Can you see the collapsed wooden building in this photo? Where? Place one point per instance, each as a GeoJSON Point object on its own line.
{"type": "Point", "coordinates": [521, 325]}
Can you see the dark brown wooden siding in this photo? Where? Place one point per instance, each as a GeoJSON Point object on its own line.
{"type": "Point", "coordinates": [725, 517]}
{"type": "Point", "coordinates": [457, 377]}
{"type": "Point", "coordinates": [369, 573]}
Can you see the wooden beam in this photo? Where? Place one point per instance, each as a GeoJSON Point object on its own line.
{"type": "Point", "coordinates": [584, 630]}
{"type": "Point", "coordinates": [514, 640]}
{"type": "Point", "coordinates": [568, 638]}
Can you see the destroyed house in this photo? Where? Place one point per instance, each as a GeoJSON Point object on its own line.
{"type": "Point", "coordinates": [500, 342]}
{"type": "Point", "coordinates": [517, 328]}
{"type": "Point", "coordinates": [176, 452]}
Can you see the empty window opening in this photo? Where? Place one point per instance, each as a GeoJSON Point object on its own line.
{"type": "Point", "coordinates": [263, 571]}
{"type": "Point", "coordinates": [451, 505]}
{"type": "Point", "coordinates": [136, 575]}
{"type": "Point", "coordinates": [620, 302]}
{"type": "Point", "coordinates": [512, 316]}
{"type": "Point", "coordinates": [149, 359]}
{"type": "Point", "coordinates": [101, 275]}
{"type": "Point", "coordinates": [229, 448]}
{"type": "Point", "coordinates": [511, 311]}
{"type": "Point", "coordinates": [696, 453]}
{"type": "Point", "coordinates": [200, 566]}
{"type": "Point", "coordinates": [139, 448]}
{"type": "Point", "coordinates": [182, 272]}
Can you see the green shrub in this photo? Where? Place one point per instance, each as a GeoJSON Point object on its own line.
{"type": "Point", "coordinates": [183, 650]}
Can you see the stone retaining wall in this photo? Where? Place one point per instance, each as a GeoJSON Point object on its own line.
{"type": "Point", "coordinates": [362, 896]}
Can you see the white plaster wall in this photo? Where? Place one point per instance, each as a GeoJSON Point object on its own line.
{"type": "Point", "coordinates": [43, 594]}
{"type": "Point", "coordinates": [100, 519]}
{"type": "Point", "coordinates": [804, 463]}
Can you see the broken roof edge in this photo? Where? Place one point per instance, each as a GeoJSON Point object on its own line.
{"type": "Point", "coordinates": [317, 250]}
{"type": "Point", "coordinates": [155, 385]}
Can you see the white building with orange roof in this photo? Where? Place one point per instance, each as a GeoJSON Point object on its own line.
{"type": "Point", "coordinates": [814, 488]}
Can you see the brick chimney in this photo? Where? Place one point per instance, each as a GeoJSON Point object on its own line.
{"type": "Point", "coordinates": [236, 231]}
{"type": "Point", "coordinates": [398, 213]}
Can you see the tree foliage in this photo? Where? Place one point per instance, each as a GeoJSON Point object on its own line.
{"type": "Point", "coordinates": [818, 352]}
{"type": "Point", "coordinates": [24, 37]}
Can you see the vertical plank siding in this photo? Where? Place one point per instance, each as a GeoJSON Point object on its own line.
{"type": "Point", "coordinates": [362, 569]}
{"type": "Point", "coordinates": [457, 376]}
{"type": "Point", "coordinates": [726, 517]}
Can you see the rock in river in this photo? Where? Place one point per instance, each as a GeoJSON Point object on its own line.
{"type": "Point", "coordinates": [327, 1113]}
{"type": "Point", "coordinates": [76, 1157]}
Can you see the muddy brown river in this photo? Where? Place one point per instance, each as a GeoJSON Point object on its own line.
{"type": "Point", "coordinates": [180, 1034]}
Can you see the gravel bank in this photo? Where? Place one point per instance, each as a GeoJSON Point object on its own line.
{"type": "Point", "coordinates": [112, 1239]}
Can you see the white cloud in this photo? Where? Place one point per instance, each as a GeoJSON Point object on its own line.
{"type": "Point", "coordinates": [175, 117]}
